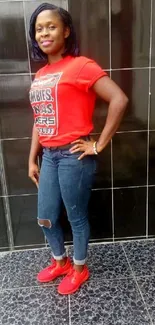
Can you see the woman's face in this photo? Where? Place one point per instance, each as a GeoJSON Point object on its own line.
{"type": "Point", "coordinates": [50, 32]}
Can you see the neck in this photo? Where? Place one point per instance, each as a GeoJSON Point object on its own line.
{"type": "Point", "coordinates": [53, 58]}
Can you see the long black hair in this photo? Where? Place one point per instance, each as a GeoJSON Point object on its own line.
{"type": "Point", "coordinates": [71, 42]}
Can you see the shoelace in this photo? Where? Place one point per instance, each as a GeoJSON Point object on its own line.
{"type": "Point", "coordinates": [74, 274]}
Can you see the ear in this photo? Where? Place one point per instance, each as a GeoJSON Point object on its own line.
{"type": "Point", "coordinates": [66, 32]}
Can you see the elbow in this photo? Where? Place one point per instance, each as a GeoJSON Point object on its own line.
{"type": "Point", "coordinates": [125, 101]}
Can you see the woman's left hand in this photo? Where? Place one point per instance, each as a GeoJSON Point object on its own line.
{"type": "Point", "coordinates": [82, 145]}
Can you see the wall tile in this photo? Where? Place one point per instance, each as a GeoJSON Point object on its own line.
{"type": "Point", "coordinates": [99, 116]}
{"type": "Point", "coordinates": [16, 167]}
{"type": "Point", "coordinates": [153, 34]}
{"type": "Point", "coordinates": [100, 214]}
{"type": "Point", "coordinates": [151, 218]}
{"type": "Point", "coordinates": [130, 33]}
{"type": "Point", "coordinates": [30, 6]}
{"type": "Point", "coordinates": [135, 84]}
{"type": "Point", "coordinates": [130, 212]}
{"type": "Point", "coordinates": [152, 110]}
{"type": "Point", "coordinates": [93, 40]}
{"type": "Point", "coordinates": [152, 159]}
{"type": "Point", "coordinates": [103, 169]}
{"type": "Point", "coordinates": [16, 116]}
{"type": "Point", "coordinates": [24, 221]}
{"type": "Point", "coordinates": [13, 49]}
{"type": "Point", "coordinates": [3, 229]}
{"type": "Point", "coordinates": [130, 159]}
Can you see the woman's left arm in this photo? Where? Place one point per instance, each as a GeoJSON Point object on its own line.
{"type": "Point", "coordinates": [111, 93]}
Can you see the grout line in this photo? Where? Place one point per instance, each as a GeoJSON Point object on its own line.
{"type": "Point", "coordinates": [108, 70]}
{"type": "Point", "coordinates": [120, 187]}
{"type": "Point", "coordinates": [131, 131]}
{"type": "Point", "coordinates": [111, 142]}
{"type": "Point", "coordinates": [93, 190]}
{"type": "Point", "coordinates": [128, 69]}
{"type": "Point", "coordinates": [18, 195]}
{"type": "Point", "coordinates": [148, 133]}
{"type": "Point", "coordinates": [93, 133]}
{"type": "Point", "coordinates": [108, 241]}
{"type": "Point", "coordinates": [27, 44]}
{"type": "Point", "coordinates": [67, 5]}
{"type": "Point", "coordinates": [52, 285]}
{"type": "Point", "coordinates": [14, 74]}
{"type": "Point", "coordinates": [7, 212]}
{"type": "Point", "coordinates": [15, 139]}
{"type": "Point", "coordinates": [69, 307]}
{"type": "Point", "coordinates": [112, 192]}
{"type": "Point", "coordinates": [136, 282]}
{"type": "Point", "coordinates": [110, 53]}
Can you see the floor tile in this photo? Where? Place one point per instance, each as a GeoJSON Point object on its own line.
{"type": "Point", "coordinates": [4, 264]}
{"type": "Point", "coordinates": [107, 261]}
{"type": "Point", "coordinates": [22, 267]}
{"type": "Point", "coordinates": [147, 287]}
{"type": "Point", "coordinates": [33, 306]}
{"type": "Point", "coordinates": [141, 255]}
{"type": "Point", "coordinates": [116, 302]}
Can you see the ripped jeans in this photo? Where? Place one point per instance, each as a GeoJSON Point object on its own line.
{"type": "Point", "coordinates": [64, 177]}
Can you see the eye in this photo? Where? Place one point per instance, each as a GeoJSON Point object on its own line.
{"type": "Point", "coordinates": [38, 30]}
{"type": "Point", "coordinates": [52, 27]}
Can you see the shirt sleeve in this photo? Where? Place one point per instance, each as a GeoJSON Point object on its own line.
{"type": "Point", "coordinates": [89, 74]}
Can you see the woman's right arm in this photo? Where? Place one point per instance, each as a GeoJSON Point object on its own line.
{"type": "Point", "coordinates": [35, 148]}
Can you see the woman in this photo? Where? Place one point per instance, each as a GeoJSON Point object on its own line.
{"type": "Point", "coordinates": [63, 98]}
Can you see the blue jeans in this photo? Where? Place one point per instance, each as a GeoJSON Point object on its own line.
{"type": "Point", "coordinates": [64, 177]}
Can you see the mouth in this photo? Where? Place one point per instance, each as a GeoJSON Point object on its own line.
{"type": "Point", "coordinates": [46, 43]}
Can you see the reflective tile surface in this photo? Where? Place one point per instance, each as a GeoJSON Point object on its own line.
{"type": "Point", "coordinates": [13, 49]}
{"type": "Point", "coordinates": [3, 227]}
{"type": "Point", "coordinates": [16, 115]}
{"type": "Point", "coordinates": [130, 33]}
{"type": "Point", "coordinates": [93, 40]}
{"type": "Point", "coordinates": [130, 159]}
{"type": "Point", "coordinates": [151, 209]}
{"type": "Point", "coordinates": [16, 166]}
{"type": "Point", "coordinates": [135, 84]}
{"type": "Point", "coordinates": [24, 220]}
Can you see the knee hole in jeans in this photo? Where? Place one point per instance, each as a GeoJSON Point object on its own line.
{"type": "Point", "coordinates": [44, 223]}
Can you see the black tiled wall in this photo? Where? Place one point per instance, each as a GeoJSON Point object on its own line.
{"type": "Point", "coordinates": [120, 36]}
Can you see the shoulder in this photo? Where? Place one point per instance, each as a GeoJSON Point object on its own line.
{"type": "Point", "coordinates": [40, 72]}
{"type": "Point", "coordinates": [83, 60]}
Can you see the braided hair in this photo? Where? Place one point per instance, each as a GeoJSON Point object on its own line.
{"type": "Point", "coordinates": [71, 42]}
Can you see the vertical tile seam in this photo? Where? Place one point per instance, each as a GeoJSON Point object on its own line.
{"type": "Point", "coordinates": [111, 156]}
{"type": "Point", "coordinates": [148, 129]}
{"type": "Point", "coordinates": [27, 46]}
{"type": "Point", "coordinates": [5, 199]}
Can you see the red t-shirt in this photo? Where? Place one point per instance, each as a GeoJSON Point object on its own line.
{"type": "Point", "coordinates": [63, 101]}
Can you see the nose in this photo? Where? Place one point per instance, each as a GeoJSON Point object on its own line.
{"type": "Point", "coordinates": [45, 31]}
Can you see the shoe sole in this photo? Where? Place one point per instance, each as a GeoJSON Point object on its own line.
{"type": "Point", "coordinates": [76, 289]}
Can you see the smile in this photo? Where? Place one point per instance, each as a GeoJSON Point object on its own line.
{"type": "Point", "coordinates": [46, 43]}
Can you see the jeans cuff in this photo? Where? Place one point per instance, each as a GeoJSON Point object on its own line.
{"type": "Point", "coordinates": [60, 257]}
{"type": "Point", "coordinates": [79, 262]}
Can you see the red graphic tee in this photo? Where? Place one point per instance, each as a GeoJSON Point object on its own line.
{"type": "Point", "coordinates": [63, 101]}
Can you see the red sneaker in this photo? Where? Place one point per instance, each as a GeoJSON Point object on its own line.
{"type": "Point", "coordinates": [73, 281]}
{"type": "Point", "coordinates": [53, 271]}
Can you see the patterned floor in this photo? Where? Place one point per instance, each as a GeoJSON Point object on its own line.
{"type": "Point", "coordinates": [121, 290]}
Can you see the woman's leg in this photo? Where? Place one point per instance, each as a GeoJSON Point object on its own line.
{"type": "Point", "coordinates": [75, 179]}
{"type": "Point", "coordinates": [49, 204]}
